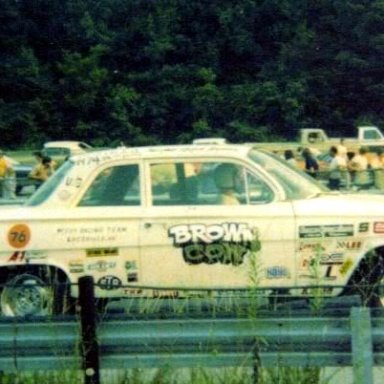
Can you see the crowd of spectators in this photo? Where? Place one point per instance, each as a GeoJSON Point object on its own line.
{"type": "Point", "coordinates": [341, 168]}
{"type": "Point", "coordinates": [43, 169]}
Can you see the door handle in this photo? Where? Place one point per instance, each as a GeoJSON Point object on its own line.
{"type": "Point", "coordinates": [148, 224]}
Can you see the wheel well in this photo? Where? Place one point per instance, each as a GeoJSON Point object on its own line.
{"type": "Point", "coordinates": [47, 273]}
{"type": "Point", "coordinates": [367, 275]}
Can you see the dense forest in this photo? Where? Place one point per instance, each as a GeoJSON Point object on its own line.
{"type": "Point", "coordinates": [167, 71]}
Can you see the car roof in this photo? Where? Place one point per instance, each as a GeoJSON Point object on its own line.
{"type": "Point", "coordinates": [168, 151]}
{"type": "Point", "coordinates": [64, 143]}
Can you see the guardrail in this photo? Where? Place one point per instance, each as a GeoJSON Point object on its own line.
{"type": "Point", "coordinates": [337, 338]}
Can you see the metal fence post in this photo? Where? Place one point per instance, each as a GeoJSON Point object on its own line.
{"type": "Point", "coordinates": [88, 314]}
{"type": "Point", "coordinates": [256, 363]}
{"type": "Point", "coordinates": [362, 354]}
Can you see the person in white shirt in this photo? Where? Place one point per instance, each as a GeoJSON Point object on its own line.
{"type": "Point", "coordinates": [377, 170]}
{"type": "Point", "coordinates": [337, 165]}
{"type": "Point", "coordinates": [359, 167]}
{"type": "Point", "coordinates": [342, 149]}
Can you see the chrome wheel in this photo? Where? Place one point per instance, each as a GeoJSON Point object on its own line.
{"type": "Point", "coordinates": [26, 295]}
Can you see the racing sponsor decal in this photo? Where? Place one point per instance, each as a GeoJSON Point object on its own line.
{"type": "Point", "coordinates": [277, 272]}
{"type": "Point", "coordinates": [17, 257]}
{"type": "Point", "coordinates": [133, 292]}
{"type": "Point", "coordinates": [347, 265]}
{"type": "Point", "coordinates": [102, 252]}
{"type": "Point", "coordinates": [27, 256]}
{"type": "Point", "coordinates": [73, 182]}
{"type": "Point", "coordinates": [130, 265]}
{"type": "Point", "coordinates": [90, 234]}
{"type": "Point", "coordinates": [19, 236]}
{"type": "Point", "coordinates": [109, 283]}
{"type": "Point", "coordinates": [317, 247]}
{"type": "Point", "coordinates": [98, 159]}
{"type": "Point", "coordinates": [332, 258]}
{"type": "Point", "coordinates": [76, 267]}
{"type": "Point", "coordinates": [315, 231]}
{"type": "Point", "coordinates": [309, 261]}
{"type": "Point", "coordinates": [101, 266]}
{"type": "Point", "coordinates": [363, 227]}
{"type": "Point", "coordinates": [132, 277]}
{"type": "Point", "coordinates": [322, 259]}
{"type": "Point", "coordinates": [378, 227]}
{"type": "Point", "coordinates": [329, 273]}
{"type": "Point", "coordinates": [36, 255]}
{"type": "Point", "coordinates": [351, 245]}
{"type": "Point", "coordinates": [165, 293]}
{"type": "Point", "coordinates": [225, 243]}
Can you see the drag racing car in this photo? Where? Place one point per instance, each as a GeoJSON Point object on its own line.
{"type": "Point", "coordinates": [207, 216]}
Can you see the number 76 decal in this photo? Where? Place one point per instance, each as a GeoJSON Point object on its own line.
{"type": "Point", "coordinates": [19, 236]}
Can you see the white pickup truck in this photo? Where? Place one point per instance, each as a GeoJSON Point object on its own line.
{"type": "Point", "coordinates": [368, 136]}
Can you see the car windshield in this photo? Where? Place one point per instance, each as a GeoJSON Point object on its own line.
{"type": "Point", "coordinates": [50, 185]}
{"type": "Point", "coordinates": [57, 151]}
{"type": "Point", "coordinates": [296, 183]}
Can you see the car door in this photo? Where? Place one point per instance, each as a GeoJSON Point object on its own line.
{"type": "Point", "coordinates": [195, 234]}
{"type": "Point", "coordinates": [107, 228]}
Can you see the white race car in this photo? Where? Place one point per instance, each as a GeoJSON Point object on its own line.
{"type": "Point", "coordinates": [204, 216]}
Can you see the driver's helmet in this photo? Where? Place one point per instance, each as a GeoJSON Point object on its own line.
{"type": "Point", "coordinates": [225, 176]}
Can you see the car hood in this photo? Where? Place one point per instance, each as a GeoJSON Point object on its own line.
{"type": "Point", "coordinates": [342, 205]}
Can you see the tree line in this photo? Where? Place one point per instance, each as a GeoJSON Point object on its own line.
{"type": "Point", "coordinates": [168, 71]}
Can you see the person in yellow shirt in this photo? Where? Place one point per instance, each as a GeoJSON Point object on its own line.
{"type": "Point", "coordinates": [4, 166]}
{"type": "Point", "coordinates": [42, 171]}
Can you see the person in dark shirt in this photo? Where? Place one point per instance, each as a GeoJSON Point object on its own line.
{"type": "Point", "coordinates": [311, 164]}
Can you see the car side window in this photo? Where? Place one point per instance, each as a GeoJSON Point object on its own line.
{"type": "Point", "coordinates": [238, 186]}
{"type": "Point", "coordinates": [114, 186]}
{"type": "Point", "coordinates": [206, 183]}
{"type": "Point", "coordinates": [256, 190]}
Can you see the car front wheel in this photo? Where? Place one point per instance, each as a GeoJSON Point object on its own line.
{"type": "Point", "coordinates": [26, 295]}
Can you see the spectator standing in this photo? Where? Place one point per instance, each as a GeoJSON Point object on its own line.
{"type": "Point", "coordinates": [337, 165]}
{"type": "Point", "coordinates": [311, 164]}
{"type": "Point", "coordinates": [359, 166]}
{"type": "Point", "coordinates": [6, 173]}
{"type": "Point", "coordinates": [9, 184]}
{"type": "Point", "coordinates": [377, 170]}
{"type": "Point", "coordinates": [42, 171]}
{"type": "Point", "coordinates": [342, 150]}
{"type": "Point", "coordinates": [3, 171]}
{"type": "Point", "coordinates": [39, 156]}
{"type": "Point", "coordinates": [290, 157]}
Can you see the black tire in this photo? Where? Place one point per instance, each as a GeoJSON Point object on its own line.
{"type": "Point", "coordinates": [39, 291]}
{"type": "Point", "coordinates": [26, 295]}
{"type": "Point", "coordinates": [368, 278]}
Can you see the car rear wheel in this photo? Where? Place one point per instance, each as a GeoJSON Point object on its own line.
{"type": "Point", "coordinates": [380, 293]}
{"type": "Point", "coordinates": [368, 279]}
